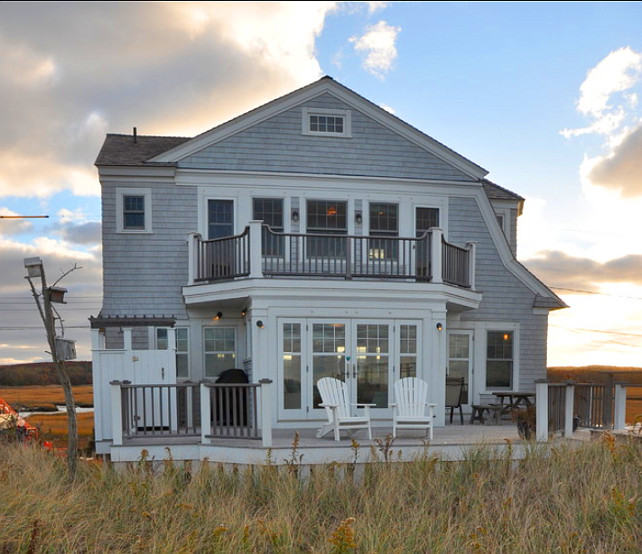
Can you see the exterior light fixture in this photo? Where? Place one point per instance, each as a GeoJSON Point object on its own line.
{"type": "Point", "coordinates": [439, 326]}
{"type": "Point", "coordinates": [358, 217]}
{"type": "Point", "coordinates": [295, 216]}
{"type": "Point", "coordinates": [218, 316]}
{"type": "Point", "coordinates": [243, 312]}
{"type": "Point", "coordinates": [260, 324]}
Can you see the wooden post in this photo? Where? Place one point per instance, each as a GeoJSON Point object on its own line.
{"type": "Point", "coordinates": [116, 414]}
{"type": "Point", "coordinates": [609, 391]}
{"type": "Point", "coordinates": [541, 407]}
{"type": "Point", "coordinates": [619, 422]}
{"type": "Point", "coordinates": [436, 254]}
{"type": "Point", "coordinates": [472, 252]}
{"type": "Point", "coordinates": [266, 412]}
{"type": "Point", "coordinates": [192, 258]}
{"type": "Point", "coordinates": [256, 257]}
{"type": "Point", "coordinates": [569, 408]}
{"type": "Point", "coordinates": [206, 415]}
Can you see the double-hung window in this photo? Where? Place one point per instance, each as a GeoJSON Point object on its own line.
{"type": "Point", "coordinates": [499, 359]}
{"type": "Point", "coordinates": [220, 218]}
{"type": "Point", "coordinates": [134, 209]}
{"type": "Point", "coordinates": [220, 350]}
{"type": "Point", "coordinates": [270, 211]}
{"type": "Point", "coordinates": [384, 223]}
{"type": "Point", "coordinates": [328, 218]}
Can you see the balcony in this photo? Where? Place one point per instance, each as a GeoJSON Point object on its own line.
{"type": "Point", "coordinates": [261, 252]}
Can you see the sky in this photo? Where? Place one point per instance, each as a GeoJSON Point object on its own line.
{"type": "Point", "coordinates": [545, 96]}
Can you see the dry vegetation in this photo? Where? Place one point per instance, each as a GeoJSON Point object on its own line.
{"type": "Point", "coordinates": [562, 499]}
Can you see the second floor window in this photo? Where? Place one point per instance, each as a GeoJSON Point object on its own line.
{"type": "Point", "coordinates": [220, 218]}
{"type": "Point", "coordinates": [134, 212]}
{"type": "Point", "coordinates": [384, 222]}
{"type": "Point", "coordinates": [327, 217]}
{"type": "Point", "coordinates": [270, 211]}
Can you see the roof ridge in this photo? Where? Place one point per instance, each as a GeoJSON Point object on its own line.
{"type": "Point", "coordinates": [148, 136]}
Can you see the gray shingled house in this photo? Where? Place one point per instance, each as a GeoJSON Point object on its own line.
{"type": "Point", "coordinates": [317, 235]}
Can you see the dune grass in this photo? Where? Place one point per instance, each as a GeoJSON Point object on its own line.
{"type": "Point", "coordinates": [559, 499]}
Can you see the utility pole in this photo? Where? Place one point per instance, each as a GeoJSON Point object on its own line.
{"type": "Point", "coordinates": [57, 345]}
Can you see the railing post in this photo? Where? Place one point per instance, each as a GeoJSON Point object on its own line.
{"type": "Point", "coordinates": [116, 414]}
{"type": "Point", "coordinates": [256, 258]}
{"type": "Point", "coordinates": [266, 412]}
{"type": "Point", "coordinates": [569, 409]}
{"type": "Point", "coordinates": [436, 254]}
{"type": "Point", "coordinates": [619, 422]}
{"type": "Point", "coordinates": [541, 410]}
{"type": "Point", "coordinates": [607, 414]}
{"type": "Point", "coordinates": [206, 414]}
{"type": "Point", "coordinates": [192, 258]}
{"type": "Point", "coordinates": [472, 253]}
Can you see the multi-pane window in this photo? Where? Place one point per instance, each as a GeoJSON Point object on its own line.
{"type": "Point", "coordinates": [408, 351]}
{"type": "Point", "coordinates": [328, 217]}
{"type": "Point", "coordinates": [220, 218]}
{"type": "Point", "coordinates": [134, 212]}
{"type": "Point", "coordinates": [499, 359]}
{"type": "Point", "coordinates": [220, 350]}
{"type": "Point", "coordinates": [270, 211]}
{"type": "Point", "coordinates": [426, 219]}
{"type": "Point", "coordinates": [292, 366]}
{"type": "Point", "coordinates": [328, 353]}
{"type": "Point", "coordinates": [326, 124]}
{"type": "Point", "coordinates": [182, 350]}
{"type": "Point", "coordinates": [384, 222]}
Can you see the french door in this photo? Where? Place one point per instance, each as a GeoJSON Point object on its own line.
{"type": "Point", "coordinates": [460, 361]}
{"type": "Point", "coordinates": [367, 355]}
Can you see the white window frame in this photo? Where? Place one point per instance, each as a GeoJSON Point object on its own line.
{"type": "Point", "coordinates": [121, 193]}
{"type": "Point", "coordinates": [345, 114]}
{"type": "Point", "coordinates": [513, 328]}
{"type": "Point", "coordinates": [206, 352]}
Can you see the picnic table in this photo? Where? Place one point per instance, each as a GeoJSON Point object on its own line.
{"type": "Point", "coordinates": [515, 399]}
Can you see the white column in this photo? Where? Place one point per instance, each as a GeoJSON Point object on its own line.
{"type": "Point", "coordinates": [569, 406]}
{"type": "Point", "coordinates": [619, 422]}
{"type": "Point", "coordinates": [472, 249]}
{"type": "Point", "coordinates": [127, 338]}
{"type": "Point", "coordinates": [192, 259]}
{"type": "Point", "coordinates": [541, 406]}
{"type": "Point", "coordinates": [116, 414]}
{"type": "Point", "coordinates": [97, 340]}
{"type": "Point", "coordinates": [256, 259]}
{"type": "Point", "coordinates": [436, 269]}
{"type": "Point", "coordinates": [206, 415]}
{"type": "Point", "coordinates": [266, 412]}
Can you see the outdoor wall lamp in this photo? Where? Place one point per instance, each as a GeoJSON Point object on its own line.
{"type": "Point", "coordinates": [358, 217]}
{"type": "Point", "coordinates": [260, 324]}
{"type": "Point", "coordinates": [218, 316]}
{"type": "Point", "coordinates": [243, 312]}
{"type": "Point", "coordinates": [295, 216]}
{"type": "Point", "coordinates": [439, 326]}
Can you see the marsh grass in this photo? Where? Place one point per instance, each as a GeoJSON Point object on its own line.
{"type": "Point", "coordinates": [564, 499]}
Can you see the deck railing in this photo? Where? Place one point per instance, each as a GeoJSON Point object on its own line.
{"type": "Point", "coordinates": [562, 407]}
{"type": "Point", "coordinates": [224, 258]}
{"type": "Point", "coordinates": [260, 251]}
{"type": "Point", "coordinates": [207, 410]}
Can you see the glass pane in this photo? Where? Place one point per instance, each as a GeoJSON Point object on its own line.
{"type": "Point", "coordinates": [372, 380]}
{"type": "Point", "coordinates": [408, 366]}
{"type": "Point", "coordinates": [458, 346]}
{"type": "Point", "coordinates": [217, 363]}
{"type": "Point", "coordinates": [291, 381]}
{"type": "Point", "coordinates": [182, 366]}
{"type": "Point", "coordinates": [161, 339]}
{"type": "Point", "coordinates": [499, 374]}
{"type": "Point", "coordinates": [426, 219]}
{"type": "Point", "coordinates": [181, 339]}
{"type": "Point", "coordinates": [326, 366]}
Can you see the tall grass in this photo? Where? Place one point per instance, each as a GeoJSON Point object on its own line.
{"type": "Point", "coordinates": [564, 499]}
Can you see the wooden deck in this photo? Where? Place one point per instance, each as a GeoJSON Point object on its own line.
{"type": "Point", "coordinates": [450, 443]}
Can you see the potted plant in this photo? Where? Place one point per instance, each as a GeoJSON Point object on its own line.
{"type": "Point", "coordinates": [525, 420]}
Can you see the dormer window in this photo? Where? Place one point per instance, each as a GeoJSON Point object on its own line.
{"type": "Point", "coordinates": [327, 123]}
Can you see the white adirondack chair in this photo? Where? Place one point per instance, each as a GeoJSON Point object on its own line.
{"type": "Point", "coordinates": [410, 406]}
{"type": "Point", "coordinates": [335, 400]}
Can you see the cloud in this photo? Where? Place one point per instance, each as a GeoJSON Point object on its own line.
{"type": "Point", "coordinates": [378, 44]}
{"type": "Point", "coordinates": [9, 227]}
{"type": "Point", "coordinates": [69, 72]}
{"type": "Point", "coordinates": [561, 270]}
{"type": "Point", "coordinates": [622, 170]}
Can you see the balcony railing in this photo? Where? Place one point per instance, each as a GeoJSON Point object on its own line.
{"type": "Point", "coordinates": [259, 251]}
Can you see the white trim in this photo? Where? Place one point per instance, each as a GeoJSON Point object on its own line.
{"type": "Point", "coordinates": [346, 115]}
{"type": "Point", "coordinates": [313, 90]}
{"type": "Point", "coordinates": [146, 193]}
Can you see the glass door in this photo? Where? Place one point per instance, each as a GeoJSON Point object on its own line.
{"type": "Point", "coordinates": [371, 371]}
{"type": "Point", "coordinates": [460, 356]}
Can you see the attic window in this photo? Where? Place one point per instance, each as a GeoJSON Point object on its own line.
{"type": "Point", "coordinates": [327, 123]}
